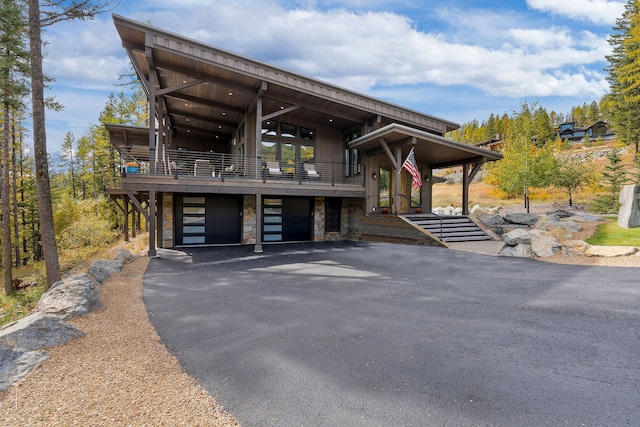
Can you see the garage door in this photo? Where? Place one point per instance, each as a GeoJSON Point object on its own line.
{"type": "Point", "coordinates": [208, 220]}
{"type": "Point", "coordinates": [287, 219]}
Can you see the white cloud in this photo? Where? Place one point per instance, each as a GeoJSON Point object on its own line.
{"type": "Point", "coordinates": [601, 12]}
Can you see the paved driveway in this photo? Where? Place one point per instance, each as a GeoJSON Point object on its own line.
{"type": "Point", "coordinates": [336, 334]}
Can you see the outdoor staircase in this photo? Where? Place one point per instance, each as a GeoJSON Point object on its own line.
{"type": "Point", "coordinates": [449, 228]}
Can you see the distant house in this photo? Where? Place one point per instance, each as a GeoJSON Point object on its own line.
{"type": "Point", "coordinates": [569, 131]}
{"type": "Point", "coordinates": [492, 144]}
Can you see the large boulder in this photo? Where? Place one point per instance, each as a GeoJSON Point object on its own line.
{"type": "Point", "coordinates": [36, 331]}
{"type": "Point", "coordinates": [123, 256]}
{"type": "Point", "coordinates": [16, 364]}
{"type": "Point", "coordinates": [543, 245]}
{"type": "Point", "coordinates": [522, 250]}
{"type": "Point", "coordinates": [522, 218]}
{"type": "Point", "coordinates": [610, 251]}
{"type": "Point", "coordinates": [102, 269]}
{"type": "Point", "coordinates": [550, 223]}
{"type": "Point", "coordinates": [629, 213]}
{"type": "Point", "coordinates": [516, 237]}
{"type": "Point", "coordinates": [73, 296]}
{"type": "Point", "coordinates": [491, 220]}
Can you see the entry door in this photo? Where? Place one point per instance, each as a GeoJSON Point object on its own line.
{"type": "Point", "coordinates": [286, 219]}
{"type": "Point", "coordinates": [208, 219]}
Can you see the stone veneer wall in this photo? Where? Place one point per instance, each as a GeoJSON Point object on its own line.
{"type": "Point", "coordinates": [318, 219]}
{"type": "Point", "coordinates": [249, 220]}
{"type": "Point", "coordinates": [167, 220]}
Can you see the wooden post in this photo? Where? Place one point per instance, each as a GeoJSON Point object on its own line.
{"type": "Point", "coordinates": [465, 189]}
{"type": "Point", "coordinates": [125, 203]}
{"type": "Point", "coordinates": [159, 227]}
{"type": "Point", "coordinates": [152, 223]}
{"type": "Point", "coordinates": [397, 184]}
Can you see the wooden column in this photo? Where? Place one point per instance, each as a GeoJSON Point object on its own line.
{"type": "Point", "coordinates": [160, 220]}
{"type": "Point", "coordinates": [152, 223]}
{"type": "Point", "coordinates": [125, 204]}
{"type": "Point", "coordinates": [465, 189]}
{"type": "Point", "coordinates": [397, 184]}
{"type": "Point", "coordinates": [427, 191]}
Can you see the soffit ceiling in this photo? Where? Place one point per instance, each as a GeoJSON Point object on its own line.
{"type": "Point", "coordinates": [212, 88]}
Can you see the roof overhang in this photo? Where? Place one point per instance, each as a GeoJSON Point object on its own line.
{"type": "Point", "coordinates": [206, 89]}
{"type": "Point", "coordinates": [434, 150]}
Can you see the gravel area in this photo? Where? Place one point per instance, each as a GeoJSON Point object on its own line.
{"type": "Point", "coordinates": [120, 374]}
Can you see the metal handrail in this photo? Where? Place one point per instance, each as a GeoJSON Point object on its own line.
{"type": "Point", "coordinates": [179, 163]}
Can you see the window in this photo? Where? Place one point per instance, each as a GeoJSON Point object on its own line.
{"type": "Point", "coordinates": [282, 143]}
{"type": "Point", "coordinates": [288, 131]}
{"type": "Point", "coordinates": [333, 215]}
{"type": "Point", "coordinates": [268, 151]}
{"type": "Point", "coordinates": [309, 134]}
{"type": "Point", "coordinates": [270, 127]}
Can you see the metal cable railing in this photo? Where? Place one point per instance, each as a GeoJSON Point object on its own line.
{"type": "Point", "coordinates": [183, 163]}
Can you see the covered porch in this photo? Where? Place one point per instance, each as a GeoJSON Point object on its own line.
{"type": "Point", "coordinates": [387, 148]}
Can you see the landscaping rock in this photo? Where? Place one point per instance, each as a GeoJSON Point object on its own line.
{"type": "Point", "coordinates": [123, 256]}
{"type": "Point", "coordinates": [37, 331]}
{"type": "Point", "coordinates": [586, 218]}
{"type": "Point", "coordinates": [491, 220]}
{"type": "Point", "coordinates": [610, 251]}
{"type": "Point", "coordinates": [516, 237]}
{"type": "Point", "coordinates": [74, 296]}
{"type": "Point", "coordinates": [522, 250]}
{"type": "Point", "coordinates": [15, 365]}
{"type": "Point", "coordinates": [544, 246]}
{"type": "Point", "coordinates": [574, 247]}
{"type": "Point", "coordinates": [560, 214]}
{"type": "Point", "coordinates": [629, 213]}
{"type": "Point", "coordinates": [522, 218]}
{"type": "Point", "coordinates": [102, 269]}
{"type": "Point", "coordinates": [551, 224]}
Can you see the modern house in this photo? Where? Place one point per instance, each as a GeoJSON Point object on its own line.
{"type": "Point", "coordinates": [569, 131]}
{"type": "Point", "coordinates": [243, 152]}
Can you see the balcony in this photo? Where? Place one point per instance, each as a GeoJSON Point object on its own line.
{"type": "Point", "coordinates": [206, 172]}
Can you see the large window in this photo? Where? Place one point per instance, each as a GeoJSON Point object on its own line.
{"type": "Point", "coordinates": [352, 157]}
{"type": "Point", "coordinates": [287, 143]}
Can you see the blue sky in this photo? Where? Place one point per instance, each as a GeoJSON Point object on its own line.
{"type": "Point", "coordinates": [456, 59]}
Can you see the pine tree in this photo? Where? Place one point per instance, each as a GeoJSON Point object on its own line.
{"type": "Point", "coordinates": [14, 67]}
{"type": "Point", "coordinates": [614, 177]}
{"type": "Point", "coordinates": [52, 11]}
{"type": "Point", "coordinates": [624, 75]}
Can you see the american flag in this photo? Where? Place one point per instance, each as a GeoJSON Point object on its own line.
{"type": "Point", "coordinates": [410, 166]}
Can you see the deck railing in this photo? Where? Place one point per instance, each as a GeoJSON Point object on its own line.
{"type": "Point", "coordinates": [222, 166]}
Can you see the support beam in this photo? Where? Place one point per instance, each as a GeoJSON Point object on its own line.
{"type": "Point", "coordinates": [160, 209]}
{"type": "Point", "coordinates": [385, 146]}
{"type": "Point", "coordinates": [258, 247]}
{"type": "Point", "coordinates": [138, 206]}
{"type": "Point", "coordinates": [152, 223]}
{"type": "Point", "coordinates": [168, 90]}
{"type": "Point", "coordinates": [280, 112]}
{"type": "Point", "coordinates": [427, 200]}
{"type": "Point", "coordinates": [465, 189]}
{"type": "Point", "coordinates": [397, 182]}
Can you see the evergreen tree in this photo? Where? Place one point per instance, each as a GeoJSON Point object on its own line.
{"type": "Point", "coordinates": [52, 11]}
{"type": "Point", "coordinates": [624, 74]}
{"type": "Point", "coordinates": [614, 177]}
{"type": "Point", "coordinates": [14, 67]}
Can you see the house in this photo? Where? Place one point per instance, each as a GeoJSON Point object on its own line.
{"type": "Point", "coordinates": [243, 152]}
{"type": "Point", "coordinates": [569, 131]}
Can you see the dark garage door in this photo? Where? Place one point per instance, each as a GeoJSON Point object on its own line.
{"type": "Point", "coordinates": [286, 219]}
{"type": "Point", "coordinates": [207, 219]}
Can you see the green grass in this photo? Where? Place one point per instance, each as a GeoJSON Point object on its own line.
{"type": "Point", "coordinates": [611, 234]}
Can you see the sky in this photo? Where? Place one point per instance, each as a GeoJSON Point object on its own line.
{"type": "Point", "coordinates": [459, 60]}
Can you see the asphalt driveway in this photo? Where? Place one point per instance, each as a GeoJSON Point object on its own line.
{"type": "Point", "coordinates": [371, 334]}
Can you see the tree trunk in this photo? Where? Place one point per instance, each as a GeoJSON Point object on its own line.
{"type": "Point", "coordinates": [45, 209]}
{"type": "Point", "coordinates": [14, 190]}
{"type": "Point", "coordinates": [6, 208]}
